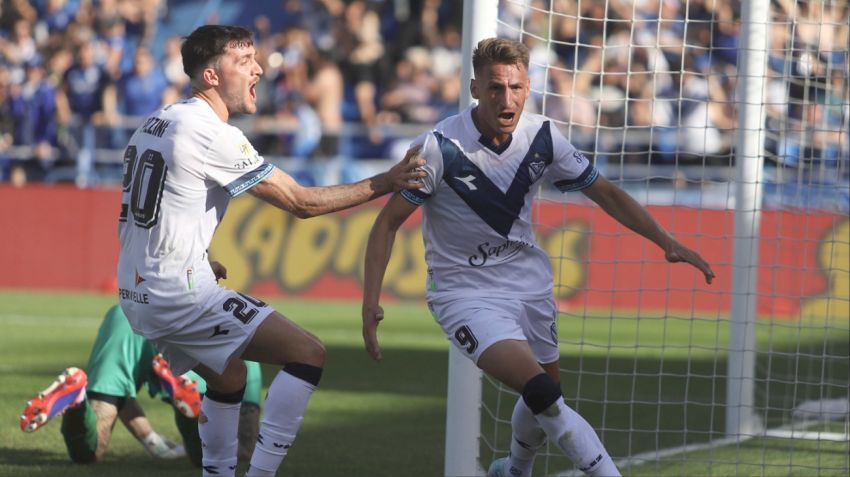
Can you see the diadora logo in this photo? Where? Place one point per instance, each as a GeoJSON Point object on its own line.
{"type": "Point", "coordinates": [535, 169]}
{"type": "Point", "coordinates": [218, 331]}
{"type": "Point", "coordinates": [467, 181]}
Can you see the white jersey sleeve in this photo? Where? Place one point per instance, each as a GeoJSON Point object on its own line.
{"type": "Point", "coordinates": [234, 164]}
{"type": "Point", "coordinates": [433, 169]}
{"type": "Point", "coordinates": [570, 170]}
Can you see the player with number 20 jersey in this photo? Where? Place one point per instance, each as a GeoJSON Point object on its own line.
{"type": "Point", "coordinates": [180, 170]}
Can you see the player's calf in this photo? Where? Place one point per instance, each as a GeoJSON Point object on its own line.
{"type": "Point", "coordinates": [283, 412]}
{"type": "Point", "coordinates": [566, 428]}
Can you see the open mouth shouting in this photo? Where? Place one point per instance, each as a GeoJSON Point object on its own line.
{"type": "Point", "coordinates": [506, 118]}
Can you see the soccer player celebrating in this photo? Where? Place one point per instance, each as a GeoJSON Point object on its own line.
{"type": "Point", "coordinates": [121, 362]}
{"type": "Point", "coordinates": [489, 282]}
{"type": "Point", "coordinates": [182, 166]}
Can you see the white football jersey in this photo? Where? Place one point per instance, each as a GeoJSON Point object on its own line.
{"type": "Point", "coordinates": [479, 241]}
{"type": "Point", "coordinates": [181, 167]}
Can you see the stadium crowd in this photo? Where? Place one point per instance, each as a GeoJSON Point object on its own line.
{"type": "Point", "coordinates": [632, 82]}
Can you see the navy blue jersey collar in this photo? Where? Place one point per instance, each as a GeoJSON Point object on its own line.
{"type": "Point", "coordinates": [487, 142]}
{"type": "Point", "coordinates": [498, 149]}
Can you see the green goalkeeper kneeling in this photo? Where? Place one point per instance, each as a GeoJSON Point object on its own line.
{"type": "Point", "coordinates": [121, 362]}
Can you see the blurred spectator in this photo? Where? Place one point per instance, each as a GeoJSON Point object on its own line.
{"type": "Point", "coordinates": [642, 81]}
{"type": "Point", "coordinates": [32, 108]}
{"type": "Point", "coordinates": [361, 48]}
{"type": "Point", "coordinates": [140, 92]}
{"type": "Point", "coordinates": [111, 43]}
{"type": "Point", "coordinates": [7, 124]}
{"type": "Point", "coordinates": [57, 16]}
{"type": "Point", "coordinates": [407, 98]}
{"type": "Point", "coordinates": [80, 108]}
{"type": "Point", "coordinates": [81, 93]}
{"type": "Point", "coordinates": [172, 66]}
{"type": "Point", "coordinates": [19, 49]}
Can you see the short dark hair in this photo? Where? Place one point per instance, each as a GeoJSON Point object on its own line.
{"type": "Point", "coordinates": [499, 51]}
{"type": "Point", "coordinates": [208, 42]}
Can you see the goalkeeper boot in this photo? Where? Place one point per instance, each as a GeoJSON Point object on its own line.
{"type": "Point", "coordinates": [182, 390]}
{"type": "Point", "coordinates": [68, 390]}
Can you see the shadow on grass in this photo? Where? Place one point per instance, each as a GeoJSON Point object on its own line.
{"type": "Point", "coordinates": [402, 371]}
{"type": "Point", "coordinates": [12, 456]}
{"type": "Point", "coordinates": [39, 463]}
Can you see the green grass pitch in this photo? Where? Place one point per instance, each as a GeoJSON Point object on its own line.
{"type": "Point", "coordinates": [388, 418]}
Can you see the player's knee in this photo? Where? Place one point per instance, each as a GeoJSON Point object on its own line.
{"type": "Point", "coordinates": [540, 392]}
{"type": "Point", "coordinates": [305, 372]}
{"type": "Point", "coordinates": [313, 353]}
{"type": "Point", "coordinates": [227, 397]}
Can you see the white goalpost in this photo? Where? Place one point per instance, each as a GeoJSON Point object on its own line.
{"type": "Point", "coordinates": [731, 122]}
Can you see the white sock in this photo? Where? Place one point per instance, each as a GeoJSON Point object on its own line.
{"type": "Point", "coordinates": [282, 415]}
{"type": "Point", "coordinates": [577, 440]}
{"type": "Point", "coordinates": [527, 438]}
{"type": "Point", "coordinates": [217, 428]}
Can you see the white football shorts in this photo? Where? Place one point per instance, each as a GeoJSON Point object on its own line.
{"type": "Point", "coordinates": [220, 332]}
{"type": "Point", "coordinates": [475, 324]}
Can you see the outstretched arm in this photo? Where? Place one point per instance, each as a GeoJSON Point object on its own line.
{"type": "Point", "coordinates": [378, 251]}
{"type": "Point", "coordinates": [620, 205]}
{"type": "Point", "coordinates": [281, 190]}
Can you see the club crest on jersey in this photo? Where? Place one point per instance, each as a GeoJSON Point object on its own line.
{"type": "Point", "coordinates": [535, 169]}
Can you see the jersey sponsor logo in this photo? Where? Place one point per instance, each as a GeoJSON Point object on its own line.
{"type": "Point", "coordinates": [134, 296]}
{"type": "Point", "coordinates": [502, 252]}
{"type": "Point", "coordinates": [467, 181]}
{"type": "Point", "coordinates": [246, 163]}
{"type": "Point", "coordinates": [251, 157]}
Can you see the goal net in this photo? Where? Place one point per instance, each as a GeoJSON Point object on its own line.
{"type": "Point", "coordinates": [730, 123]}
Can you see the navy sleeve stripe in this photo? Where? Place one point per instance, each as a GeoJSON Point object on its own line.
{"type": "Point", "coordinates": [585, 180]}
{"type": "Point", "coordinates": [248, 180]}
{"type": "Point", "coordinates": [415, 197]}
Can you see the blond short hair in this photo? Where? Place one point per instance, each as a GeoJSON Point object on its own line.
{"type": "Point", "coordinates": [499, 51]}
